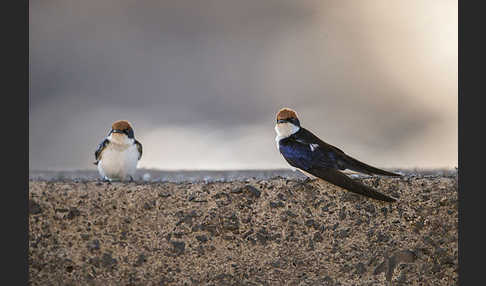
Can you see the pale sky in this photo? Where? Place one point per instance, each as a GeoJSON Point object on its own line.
{"type": "Point", "coordinates": [201, 83]}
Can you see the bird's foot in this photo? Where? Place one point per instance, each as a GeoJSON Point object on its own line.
{"type": "Point", "coordinates": [305, 182]}
{"type": "Point", "coordinates": [308, 180]}
{"type": "Point", "coordinates": [131, 179]}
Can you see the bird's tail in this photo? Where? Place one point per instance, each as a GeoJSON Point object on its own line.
{"type": "Point", "coordinates": [339, 179]}
{"type": "Point", "coordinates": [361, 167]}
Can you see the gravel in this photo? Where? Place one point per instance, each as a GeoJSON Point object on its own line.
{"type": "Point", "coordinates": [257, 231]}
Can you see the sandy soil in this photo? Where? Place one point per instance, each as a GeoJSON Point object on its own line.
{"type": "Point", "coordinates": [274, 231]}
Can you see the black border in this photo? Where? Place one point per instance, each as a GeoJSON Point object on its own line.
{"type": "Point", "coordinates": [471, 192]}
{"type": "Point", "coordinates": [15, 132]}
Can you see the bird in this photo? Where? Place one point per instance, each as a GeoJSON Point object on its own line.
{"type": "Point", "coordinates": [315, 158]}
{"type": "Point", "coordinates": [118, 154]}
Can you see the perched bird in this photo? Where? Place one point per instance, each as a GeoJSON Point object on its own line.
{"type": "Point", "coordinates": [117, 156]}
{"type": "Point", "coordinates": [309, 154]}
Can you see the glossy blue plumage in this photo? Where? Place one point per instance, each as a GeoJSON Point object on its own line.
{"type": "Point", "coordinates": [302, 156]}
{"type": "Point", "coordinates": [305, 151]}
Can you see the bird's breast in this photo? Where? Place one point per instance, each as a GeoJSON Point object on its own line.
{"type": "Point", "coordinates": [119, 161]}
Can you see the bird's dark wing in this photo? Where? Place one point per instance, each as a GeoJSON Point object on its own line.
{"type": "Point", "coordinates": [358, 166]}
{"type": "Point", "coordinates": [99, 150]}
{"type": "Point", "coordinates": [306, 137]}
{"type": "Point", "coordinates": [305, 151]}
{"type": "Point", "coordinates": [139, 148]}
{"type": "Point", "coordinates": [304, 156]}
{"type": "Point", "coordinates": [342, 161]}
{"type": "Point", "coordinates": [337, 178]}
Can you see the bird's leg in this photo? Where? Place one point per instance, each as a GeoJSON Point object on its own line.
{"type": "Point", "coordinates": [303, 183]}
{"type": "Point", "coordinates": [131, 179]}
{"type": "Point", "coordinates": [307, 180]}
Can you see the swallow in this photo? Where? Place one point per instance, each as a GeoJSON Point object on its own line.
{"type": "Point", "coordinates": [315, 158]}
{"type": "Point", "coordinates": [118, 154]}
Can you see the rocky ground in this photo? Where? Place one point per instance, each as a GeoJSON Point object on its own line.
{"type": "Point", "coordinates": [248, 232]}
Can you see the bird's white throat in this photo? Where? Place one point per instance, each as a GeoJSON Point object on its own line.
{"type": "Point", "coordinates": [120, 139]}
{"type": "Point", "coordinates": [285, 130]}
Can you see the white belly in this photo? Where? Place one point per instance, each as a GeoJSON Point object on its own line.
{"type": "Point", "coordinates": [118, 163]}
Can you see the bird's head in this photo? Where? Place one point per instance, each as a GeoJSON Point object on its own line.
{"type": "Point", "coordinates": [287, 122]}
{"type": "Point", "coordinates": [287, 115]}
{"type": "Point", "coordinates": [121, 130]}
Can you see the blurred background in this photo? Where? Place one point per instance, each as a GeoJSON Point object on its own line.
{"type": "Point", "coordinates": [201, 81]}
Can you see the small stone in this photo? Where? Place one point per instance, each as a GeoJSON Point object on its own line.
{"type": "Point", "coordinates": [149, 206]}
{"type": "Point", "coordinates": [108, 261]}
{"type": "Point", "coordinates": [318, 237]}
{"type": "Point", "coordinates": [263, 236]}
{"type": "Point", "coordinates": [187, 219]}
{"type": "Point", "coordinates": [34, 208]}
{"type": "Point", "coordinates": [69, 268]}
{"type": "Point", "coordinates": [202, 238]}
{"type": "Point", "coordinates": [74, 212]}
{"type": "Point", "coordinates": [275, 264]}
{"type": "Point", "coordinates": [252, 191]}
{"type": "Point", "coordinates": [429, 241]}
{"type": "Point", "coordinates": [95, 261]}
{"type": "Point", "coordinates": [311, 244]}
{"type": "Point", "coordinates": [179, 247]}
{"type": "Point", "coordinates": [237, 191]}
{"type": "Point", "coordinates": [309, 222]}
{"type": "Point", "coordinates": [276, 204]}
{"type": "Point", "coordinates": [382, 267]}
{"type": "Point", "coordinates": [327, 281]}
{"type": "Point", "coordinates": [94, 245]}
{"type": "Point", "coordinates": [231, 223]}
{"type": "Point", "coordinates": [342, 214]}
{"type": "Point", "coordinates": [370, 208]}
{"type": "Point", "coordinates": [405, 256]}
{"type": "Point", "coordinates": [343, 233]}
{"type": "Point", "coordinates": [290, 214]}
{"type": "Point", "coordinates": [381, 237]}
{"type": "Point", "coordinates": [384, 211]}
{"type": "Point", "coordinates": [351, 197]}
{"type": "Point", "coordinates": [335, 226]}
{"type": "Point", "coordinates": [402, 278]}
{"type": "Point", "coordinates": [140, 260]}
{"type": "Point", "coordinates": [360, 268]}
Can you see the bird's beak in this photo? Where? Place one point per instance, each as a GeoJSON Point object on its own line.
{"type": "Point", "coordinates": [117, 131]}
{"type": "Point", "coordinates": [282, 121]}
